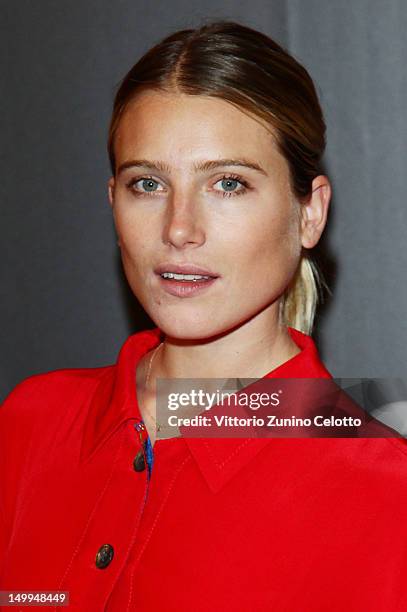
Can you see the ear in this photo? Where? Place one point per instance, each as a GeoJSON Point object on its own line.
{"type": "Point", "coordinates": [314, 212]}
{"type": "Point", "coordinates": [111, 191]}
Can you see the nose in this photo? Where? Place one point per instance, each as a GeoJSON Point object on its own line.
{"type": "Point", "coordinates": [183, 224]}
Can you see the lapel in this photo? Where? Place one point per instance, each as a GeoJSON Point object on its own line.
{"type": "Point", "coordinates": [218, 459]}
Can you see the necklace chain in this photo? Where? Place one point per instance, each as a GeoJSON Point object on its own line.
{"type": "Point", "coordinates": [150, 363]}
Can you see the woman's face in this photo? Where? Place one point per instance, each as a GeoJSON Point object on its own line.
{"type": "Point", "coordinates": [185, 195]}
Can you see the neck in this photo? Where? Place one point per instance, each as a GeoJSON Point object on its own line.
{"type": "Point", "coordinates": [251, 350]}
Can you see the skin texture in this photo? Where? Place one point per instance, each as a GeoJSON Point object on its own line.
{"type": "Point", "coordinates": [252, 240]}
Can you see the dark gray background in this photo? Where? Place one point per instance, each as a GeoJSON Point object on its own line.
{"type": "Point", "coordinates": [64, 299]}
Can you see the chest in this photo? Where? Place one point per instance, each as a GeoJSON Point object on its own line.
{"type": "Point", "coordinates": [291, 530]}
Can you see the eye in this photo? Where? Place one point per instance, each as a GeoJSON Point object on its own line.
{"type": "Point", "coordinates": [228, 182]}
{"type": "Point", "coordinates": [148, 185]}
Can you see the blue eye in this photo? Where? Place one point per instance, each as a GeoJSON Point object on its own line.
{"type": "Point", "coordinates": [226, 183]}
{"type": "Point", "coordinates": [148, 184]}
{"type": "Point", "coordinates": [229, 183]}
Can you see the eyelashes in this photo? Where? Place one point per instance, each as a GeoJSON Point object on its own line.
{"type": "Point", "coordinates": [237, 179]}
{"type": "Point", "coordinates": [130, 185]}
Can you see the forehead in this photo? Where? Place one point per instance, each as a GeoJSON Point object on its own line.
{"type": "Point", "coordinates": [181, 127]}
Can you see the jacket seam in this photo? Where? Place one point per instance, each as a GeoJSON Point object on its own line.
{"type": "Point", "coordinates": [220, 465]}
{"type": "Point", "coordinates": [137, 560]}
{"type": "Point", "coordinates": [93, 512]}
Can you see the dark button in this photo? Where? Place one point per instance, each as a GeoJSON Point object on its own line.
{"type": "Point", "coordinates": [139, 463]}
{"type": "Point", "coordinates": [104, 556]}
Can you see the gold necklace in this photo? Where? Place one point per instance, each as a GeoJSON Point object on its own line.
{"type": "Point", "coordinates": [158, 426]}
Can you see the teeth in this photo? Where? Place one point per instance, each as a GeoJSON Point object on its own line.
{"type": "Point", "coordinates": [187, 277]}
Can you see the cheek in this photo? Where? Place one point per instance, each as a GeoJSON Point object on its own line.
{"type": "Point", "coordinates": [125, 221]}
{"type": "Point", "coordinates": [134, 249]}
{"type": "Point", "coordinates": [272, 244]}
{"type": "Point", "coordinates": [129, 228]}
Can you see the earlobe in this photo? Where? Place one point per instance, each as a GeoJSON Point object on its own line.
{"type": "Point", "coordinates": [315, 212]}
{"type": "Point", "coordinates": [110, 187]}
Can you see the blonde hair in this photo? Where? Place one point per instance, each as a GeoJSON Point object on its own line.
{"type": "Point", "coordinates": [299, 303]}
{"type": "Point", "coordinates": [243, 66]}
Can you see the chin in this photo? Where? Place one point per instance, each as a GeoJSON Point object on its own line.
{"type": "Point", "coordinates": [198, 325]}
{"type": "Point", "coordinates": [185, 327]}
{"type": "Point", "coordinates": [187, 330]}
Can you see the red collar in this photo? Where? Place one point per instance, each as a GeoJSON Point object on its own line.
{"type": "Point", "coordinates": [115, 402]}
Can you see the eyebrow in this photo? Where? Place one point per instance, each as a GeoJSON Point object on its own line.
{"type": "Point", "coordinates": [202, 166]}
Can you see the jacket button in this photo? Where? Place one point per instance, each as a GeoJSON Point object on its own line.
{"type": "Point", "coordinates": [104, 556]}
{"type": "Point", "coordinates": [139, 463]}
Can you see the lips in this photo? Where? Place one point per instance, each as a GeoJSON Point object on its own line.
{"type": "Point", "coordinates": [185, 268]}
{"type": "Point", "coordinates": [185, 288]}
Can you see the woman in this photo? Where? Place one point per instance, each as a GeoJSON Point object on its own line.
{"type": "Point", "coordinates": [215, 143]}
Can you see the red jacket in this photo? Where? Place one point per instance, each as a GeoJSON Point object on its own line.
{"type": "Point", "coordinates": [282, 525]}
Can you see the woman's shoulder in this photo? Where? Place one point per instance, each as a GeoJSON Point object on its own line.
{"type": "Point", "coordinates": [40, 389]}
{"type": "Point", "coordinates": [66, 390]}
{"type": "Point", "coordinates": [42, 411]}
